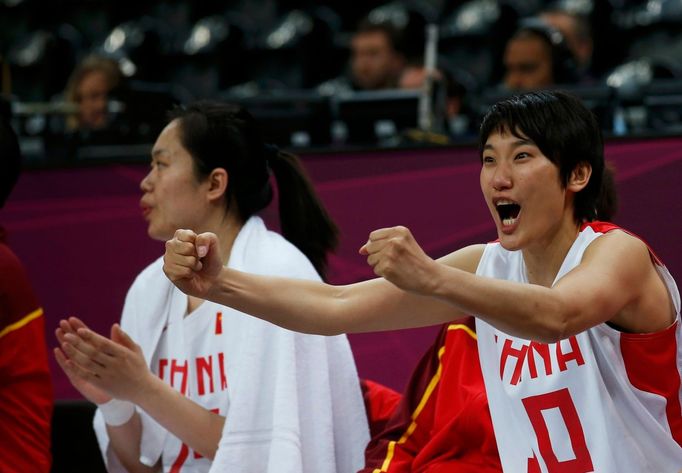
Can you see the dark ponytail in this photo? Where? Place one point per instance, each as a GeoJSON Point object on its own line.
{"type": "Point", "coordinates": [606, 204]}
{"type": "Point", "coordinates": [303, 218]}
{"type": "Point", "coordinates": [219, 135]}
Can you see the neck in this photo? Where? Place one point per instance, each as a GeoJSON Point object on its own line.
{"type": "Point", "coordinates": [227, 227]}
{"type": "Point", "coordinates": [544, 259]}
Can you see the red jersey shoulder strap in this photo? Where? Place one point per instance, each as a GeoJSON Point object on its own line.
{"type": "Point", "coordinates": [605, 227]}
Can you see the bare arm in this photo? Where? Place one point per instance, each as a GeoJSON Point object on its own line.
{"type": "Point", "coordinates": [118, 368]}
{"type": "Point", "coordinates": [125, 442]}
{"type": "Point", "coordinates": [616, 282]}
{"type": "Point", "coordinates": [306, 306]}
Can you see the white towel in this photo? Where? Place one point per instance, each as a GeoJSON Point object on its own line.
{"type": "Point", "coordinates": [295, 401]}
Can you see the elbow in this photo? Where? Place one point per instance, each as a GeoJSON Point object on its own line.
{"type": "Point", "coordinates": [558, 326]}
{"type": "Point", "coordinates": [332, 325]}
{"type": "Point", "coordinates": [329, 331]}
{"type": "Point", "coordinates": [551, 333]}
{"type": "Point", "coordinates": [337, 319]}
{"type": "Point", "coordinates": [207, 451]}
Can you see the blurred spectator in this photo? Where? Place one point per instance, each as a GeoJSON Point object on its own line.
{"type": "Point", "coordinates": [25, 387]}
{"type": "Point", "coordinates": [377, 57]}
{"type": "Point", "coordinates": [578, 34]}
{"type": "Point", "coordinates": [451, 87]}
{"type": "Point", "coordinates": [537, 57]}
{"type": "Point", "coordinates": [89, 87]}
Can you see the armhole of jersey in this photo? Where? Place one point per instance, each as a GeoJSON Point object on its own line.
{"type": "Point", "coordinates": [661, 269]}
{"type": "Point", "coordinates": [484, 256]}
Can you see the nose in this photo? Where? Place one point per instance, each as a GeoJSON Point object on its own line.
{"type": "Point", "coordinates": [501, 178]}
{"type": "Point", "coordinates": [146, 182]}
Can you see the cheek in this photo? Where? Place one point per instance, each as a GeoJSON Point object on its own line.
{"type": "Point", "coordinates": [483, 181]}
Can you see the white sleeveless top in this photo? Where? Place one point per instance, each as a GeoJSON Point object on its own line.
{"type": "Point", "coordinates": [192, 356]}
{"type": "Point", "coordinates": [602, 400]}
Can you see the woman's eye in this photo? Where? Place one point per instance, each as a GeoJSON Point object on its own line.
{"type": "Point", "coordinates": [521, 155]}
{"type": "Point", "coordinates": [488, 159]}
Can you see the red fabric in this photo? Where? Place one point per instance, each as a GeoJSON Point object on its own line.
{"type": "Point", "coordinates": [25, 387]}
{"type": "Point", "coordinates": [445, 400]}
{"type": "Point", "coordinates": [380, 403]}
{"type": "Point", "coordinates": [651, 364]}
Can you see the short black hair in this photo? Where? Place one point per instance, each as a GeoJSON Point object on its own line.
{"type": "Point", "coordinates": [566, 132]}
{"type": "Point", "coordinates": [394, 34]}
{"type": "Point", "coordinates": [10, 160]}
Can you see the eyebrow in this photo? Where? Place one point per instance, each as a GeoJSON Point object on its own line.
{"type": "Point", "coordinates": [157, 151]}
{"type": "Point", "coordinates": [516, 144]}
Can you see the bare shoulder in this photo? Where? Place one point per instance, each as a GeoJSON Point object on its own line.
{"type": "Point", "coordinates": [623, 257]}
{"type": "Point", "coordinates": [628, 260]}
{"type": "Point", "coordinates": [619, 247]}
{"type": "Point", "coordinates": [466, 258]}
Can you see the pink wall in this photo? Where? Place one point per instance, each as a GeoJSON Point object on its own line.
{"type": "Point", "coordinates": [80, 233]}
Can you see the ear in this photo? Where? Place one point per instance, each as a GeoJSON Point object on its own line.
{"type": "Point", "coordinates": [579, 178]}
{"type": "Point", "coordinates": [217, 184]}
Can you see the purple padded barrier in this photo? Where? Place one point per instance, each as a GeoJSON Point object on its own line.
{"type": "Point", "coordinates": [82, 238]}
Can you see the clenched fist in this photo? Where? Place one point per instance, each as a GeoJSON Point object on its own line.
{"type": "Point", "coordinates": [192, 262]}
{"type": "Point", "coordinates": [396, 256]}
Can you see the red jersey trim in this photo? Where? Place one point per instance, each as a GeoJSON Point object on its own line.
{"type": "Point", "coordinates": [651, 364]}
{"type": "Point", "coordinates": [605, 227]}
{"type": "Point", "coordinates": [21, 322]}
{"type": "Point", "coordinates": [430, 388]}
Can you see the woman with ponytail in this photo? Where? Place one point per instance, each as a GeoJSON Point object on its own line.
{"type": "Point", "coordinates": [181, 376]}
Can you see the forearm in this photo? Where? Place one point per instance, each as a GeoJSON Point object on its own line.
{"type": "Point", "coordinates": [318, 308]}
{"type": "Point", "coordinates": [296, 304]}
{"type": "Point", "coordinates": [124, 440]}
{"type": "Point", "coordinates": [194, 425]}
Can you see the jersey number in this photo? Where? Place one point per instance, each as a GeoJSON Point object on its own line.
{"type": "Point", "coordinates": [561, 399]}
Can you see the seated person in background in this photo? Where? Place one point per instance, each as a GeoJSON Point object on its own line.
{"type": "Point", "coordinates": [89, 87]}
{"type": "Point", "coordinates": [202, 383]}
{"type": "Point", "coordinates": [25, 385]}
{"type": "Point", "coordinates": [376, 59]}
{"type": "Point", "coordinates": [577, 32]}
{"type": "Point", "coordinates": [455, 107]}
{"type": "Point", "coordinates": [537, 57]}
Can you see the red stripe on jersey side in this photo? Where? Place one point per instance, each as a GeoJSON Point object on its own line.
{"type": "Point", "coordinates": [651, 366]}
{"type": "Point", "coordinates": [180, 459]}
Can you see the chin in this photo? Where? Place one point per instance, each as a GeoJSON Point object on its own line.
{"type": "Point", "coordinates": [509, 242]}
{"type": "Point", "coordinates": [510, 246]}
{"type": "Point", "coordinates": [158, 235]}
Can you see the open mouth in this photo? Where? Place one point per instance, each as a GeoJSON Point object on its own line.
{"type": "Point", "coordinates": [508, 211]}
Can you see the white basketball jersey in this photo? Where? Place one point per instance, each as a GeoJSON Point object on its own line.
{"type": "Point", "coordinates": [601, 401]}
{"type": "Point", "coordinates": [191, 358]}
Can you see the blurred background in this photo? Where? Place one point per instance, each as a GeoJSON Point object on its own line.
{"type": "Point", "coordinates": [80, 74]}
